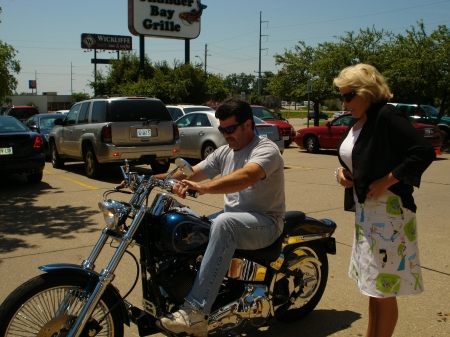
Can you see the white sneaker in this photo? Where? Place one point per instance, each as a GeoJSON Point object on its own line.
{"type": "Point", "coordinates": [187, 320]}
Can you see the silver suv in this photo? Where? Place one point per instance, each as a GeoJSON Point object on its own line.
{"type": "Point", "coordinates": [109, 130]}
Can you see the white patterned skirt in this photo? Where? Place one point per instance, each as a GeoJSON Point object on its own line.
{"type": "Point", "coordinates": [385, 255]}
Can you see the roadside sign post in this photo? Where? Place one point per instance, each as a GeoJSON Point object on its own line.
{"type": "Point", "coordinates": [309, 89]}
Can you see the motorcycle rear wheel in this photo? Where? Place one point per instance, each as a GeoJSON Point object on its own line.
{"type": "Point", "coordinates": [33, 304]}
{"type": "Point", "coordinates": [308, 290]}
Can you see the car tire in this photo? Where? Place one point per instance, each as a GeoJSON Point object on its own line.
{"type": "Point", "coordinates": [57, 161]}
{"type": "Point", "coordinates": [287, 143]}
{"type": "Point", "coordinates": [160, 167]}
{"type": "Point", "coordinates": [91, 164]}
{"type": "Point", "coordinates": [35, 178]}
{"type": "Point", "coordinates": [311, 144]}
{"type": "Point", "coordinates": [207, 149]}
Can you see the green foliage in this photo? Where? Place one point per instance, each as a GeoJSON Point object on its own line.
{"type": "Point", "coordinates": [255, 99]}
{"type": "Point", "coordinates": [79, 96]}
{"type": "Point", "coordinates": [8, 66]}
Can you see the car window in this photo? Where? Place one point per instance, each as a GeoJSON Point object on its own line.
{"type": "Point", "coordinates": [31, 122]}
{"type": "Point", "coordinates": [83, 115]}
{"type": "Point", "coordinates": [342, 121]}
{"type": "Point", "coordinates": [8, 125]}
{"type": "Point", "coordinates": [201, 120]}
{"type": "Point", "coordinates": [430, 111]}
{"type": "Point", "coordinates": [22, 112]}
{"type": "Point", "coordinates": [192, 109]}
{"type": "Point", "coordinates": [98, 112]}
{"type": "Point", "coordinates": [72, 115]}
{"type": "Point", "coordinates": [136, 110]}
{"type": "Point", "coordinates": [263, 113]}
{"type": "Point", "coordinates": [186, 120]}
{"type": "Point", "coordinates": [175, 112]}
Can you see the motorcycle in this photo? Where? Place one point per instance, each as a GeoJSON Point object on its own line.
{"type": "Point", "coordinates": [285, 280]}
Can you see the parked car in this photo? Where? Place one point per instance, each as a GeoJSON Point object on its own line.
{"type": "Point", "coordinates": [427, 114]}
{"type": "Point", "coordinates": [329, 136]}
{"type": "Point", "coordinates": [200, 136]}
{"type": "Point", "coordinates": [108, 130]}
{"type": "Point", "coordinates": [322, 115]}
{"type": "Point", "coordinates": [43, 124]}
{"type": "Point", "coordinates": [22, 112]}
{"type": "Point", "coordinates": [180, 110]}
{"type": "Point", "coordinates": [3, 109]}
{"type": "Point", "coordinates": [21, 150]}
{"type": "Point", "coordinates": [338, 113]}
{"type": "Point", "coordinates": [65, 112]}
{"type": "Point", "coordinates": [287, 132]}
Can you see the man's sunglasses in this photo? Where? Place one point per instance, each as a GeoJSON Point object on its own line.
{"type": "Point", "coordinates": [348, 96]}
{"type": "Point", "coordinates": [229, 129]}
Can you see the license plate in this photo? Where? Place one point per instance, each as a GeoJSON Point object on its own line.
{"type": "Point", "coordinates": [263, 135]}
{"type": "Point", "coordinates": [286, 138]}
{"type": "Point", "coordinates": [6, 150]}
{"type": "Point", "coordinates": [144, 132]}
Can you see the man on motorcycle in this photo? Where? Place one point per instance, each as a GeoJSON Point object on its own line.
{"type": "Point", "coordinates": [252, 181]}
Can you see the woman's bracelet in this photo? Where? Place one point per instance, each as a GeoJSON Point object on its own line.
{"type": "Point", "coordinates": [336, 175]}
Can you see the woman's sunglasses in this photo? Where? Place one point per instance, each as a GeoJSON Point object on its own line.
{"type": "Point", "coordinates": [229, 129]}
{"type": "Point", "coordinates": [348, 96]}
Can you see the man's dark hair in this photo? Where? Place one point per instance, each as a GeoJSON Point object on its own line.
{"type": "Point", "coordinates": [234, 107]}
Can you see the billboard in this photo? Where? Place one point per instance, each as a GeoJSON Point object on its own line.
{"type": "Point", "coordinates": [174, 19]}
{"type": "Point", "coordinates": [107, 42]}
{"type": "Point", "coordinates": [31, 84]}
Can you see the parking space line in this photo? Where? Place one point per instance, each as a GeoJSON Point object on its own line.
{"type": "Point", "coordinates": [75, 181]}
{"type": "Point", "coordinates": [298, 167]}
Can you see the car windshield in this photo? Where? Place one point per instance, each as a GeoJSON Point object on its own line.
{"type": "Point", "coordinates": [431, 111]}
{"type": "Point", "coordinates": [10, 125]}
{"type": "Point", "coordinates": [263, 113]}
{"type": "Point", "coordinates": [342, 121]}
{"type": "Point", "coordinates": [258, 121]}
{"type": "Point", "coordinates": [48, 123]}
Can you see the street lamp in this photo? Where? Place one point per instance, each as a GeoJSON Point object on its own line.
{"type": "Point", "coordinates": [202, 62]}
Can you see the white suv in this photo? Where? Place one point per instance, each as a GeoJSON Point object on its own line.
{"type": "Point", "coordinates": [109, 130]}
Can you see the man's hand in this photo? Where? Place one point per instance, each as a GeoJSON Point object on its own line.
{"type": "Point", "coordinates": [181, 187]}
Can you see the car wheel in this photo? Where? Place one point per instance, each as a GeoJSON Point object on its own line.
{"type": "Point", "coordinates": [57, 161]}
{"type": "Point", "coordinates": [35, 178]}
{"type": "Point", "coordinates": [207, 149]}
{"type": "Point", "coordinates": [287, 143]}
{"type": "Point", "coordinates": [91, 164]}
{"type": "Point", "coordinates": [312, 144]}
{"type": "Point", "coordinates": [160, 166]}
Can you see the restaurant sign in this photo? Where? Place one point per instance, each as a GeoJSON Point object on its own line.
{"type": "Point", "coordinates": [174, 19]}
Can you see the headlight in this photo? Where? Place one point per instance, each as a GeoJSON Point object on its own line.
{"type": "Point", "coordinates": [112, 211]}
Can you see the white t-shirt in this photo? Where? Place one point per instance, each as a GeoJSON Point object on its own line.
{"type": "Point", "coordinates": [266, 196]}
{"type": "Point", "coordinates": [346, 149]}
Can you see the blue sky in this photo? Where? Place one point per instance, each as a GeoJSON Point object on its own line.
{"type": "Point", "coordinates": [47, 33]}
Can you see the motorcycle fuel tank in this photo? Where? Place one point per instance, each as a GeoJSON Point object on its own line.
{"type": "Point", "coordinates": [181, 233]}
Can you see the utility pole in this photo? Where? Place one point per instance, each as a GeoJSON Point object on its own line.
{"type": "Point", "coordinates": [259, 70]}
{"type": "Point", "coordinates": [206, 55]}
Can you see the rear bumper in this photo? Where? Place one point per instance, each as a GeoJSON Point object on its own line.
{"type": "Point", "coordinates": [110, 153]}
{"type": "Point", "coordinates": [27, 165]}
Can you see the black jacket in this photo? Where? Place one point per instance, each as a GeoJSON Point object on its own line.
{"type": "Point", "coordinates": [389, 143]}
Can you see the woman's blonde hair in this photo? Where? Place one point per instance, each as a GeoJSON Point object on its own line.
{"type": "Point", "coordinates": [366, 81]}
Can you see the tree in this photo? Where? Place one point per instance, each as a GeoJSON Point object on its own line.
{"type": "Point", "coordinates": [79, 96]}
{"type": "Point", "coordinates": [237, 84]}
{"type": "Point", "coordinates": [8, 66]}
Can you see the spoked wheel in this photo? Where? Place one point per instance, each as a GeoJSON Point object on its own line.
{"type": "Point", "coordinates": [304, 290]}
{"type": "Point", "coordinates": [91, 164]}
{"type": "Point", "coordinates": [312, 144]}
{"type": "Point", "coordinates": [49, 304]}
{"type": "Point", "coordinates": [207, 149]}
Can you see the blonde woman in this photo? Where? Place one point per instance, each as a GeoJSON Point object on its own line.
{"type": "Point", "coordinates": [382, 158]}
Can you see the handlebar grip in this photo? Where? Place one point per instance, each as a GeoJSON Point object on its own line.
{"type": "Point", "coordinates": [192, 193]}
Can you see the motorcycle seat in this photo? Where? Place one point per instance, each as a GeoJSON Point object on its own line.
{"type": "Point", "coordinates": [270, 253]}
{"type": "Point", "coordinates": [292, 218]}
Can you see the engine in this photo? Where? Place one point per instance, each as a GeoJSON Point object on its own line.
{"type": "Point", "coordinates": [250, 310]}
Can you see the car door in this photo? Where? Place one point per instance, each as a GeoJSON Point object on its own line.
{"type": "Point", "coordinates": [335, 131]}
{"type": "Point", "coordinates": [79, 129]}
{"type": "Point", "coordinates": [191, 133]}
{"type": "Point", "coordinates": [66, 139]}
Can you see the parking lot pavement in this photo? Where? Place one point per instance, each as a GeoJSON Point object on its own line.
{"type": "Point", "coordinates": [59, 221]}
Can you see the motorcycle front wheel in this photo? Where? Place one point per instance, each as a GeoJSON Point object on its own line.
{"type": "Point", "coordinates": [309, 260]}
{"type": "Point", "coordinates": [49, 299]}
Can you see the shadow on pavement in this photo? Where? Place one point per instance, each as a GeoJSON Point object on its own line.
{"type": "Point", "coordinates": [22, 218]}
{"type": "Point", "coordinates": [319, 323]}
